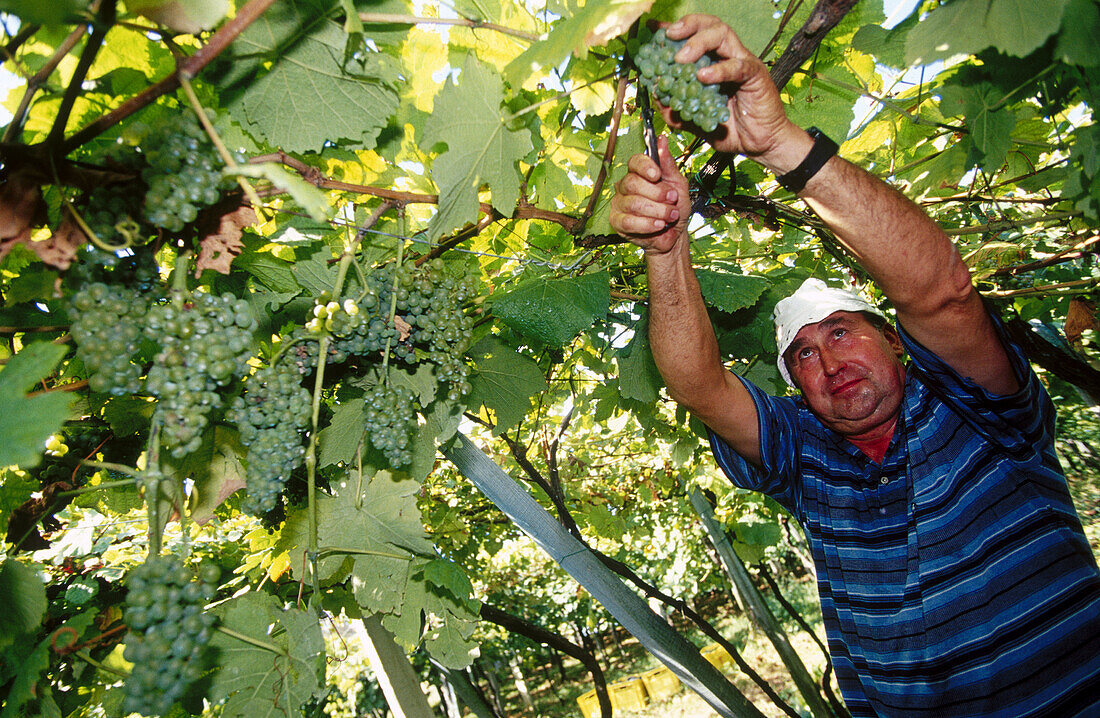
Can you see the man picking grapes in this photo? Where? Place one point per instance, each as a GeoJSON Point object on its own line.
{"type": "Point", "coordinates": [954, 575]}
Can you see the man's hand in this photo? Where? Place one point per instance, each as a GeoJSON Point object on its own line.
{"type": "Point", "coordinates": [651, 206]}
{"type": "Point", "coordinates": [758, 126]}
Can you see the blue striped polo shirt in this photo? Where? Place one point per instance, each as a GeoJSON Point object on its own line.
{"type": "Point", "coordinates": [955, 578]}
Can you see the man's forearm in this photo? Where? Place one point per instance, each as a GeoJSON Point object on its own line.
{"type": "Point", "coordinates": [909, 256]}
{"type": "Point", "coordinates": [680, 333]}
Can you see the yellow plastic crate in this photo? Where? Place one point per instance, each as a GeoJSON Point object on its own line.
{"type": "Point", "coordinates": [590, 704]}
{"type": "Point", "coordinates": [628, 694]}
{"type": "Point", "coordinates": [717, 656]}
{"type": "Point", "coordinates": [660, 683]}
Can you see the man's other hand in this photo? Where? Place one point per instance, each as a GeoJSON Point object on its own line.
{"type": "Point", "coordinates": [758, 126]}
{"type": "Point", "coordinates": [651, 206]}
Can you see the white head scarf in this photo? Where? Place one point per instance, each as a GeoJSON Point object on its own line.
{"type": "Point", "coordinates": [811, 303]}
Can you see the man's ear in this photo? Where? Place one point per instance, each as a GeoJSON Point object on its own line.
{"type": "Point", "coordinates": [893, 339]}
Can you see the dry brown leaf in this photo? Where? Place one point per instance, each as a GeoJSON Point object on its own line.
{"type": "Point", "coordinates": [1080, 317]}
{"type": "Point", "coordinates": [60, 249]}
{"type": "Point", "coordinates": [20, 203]}
{"type": "Point", "coordinates": [220, 246]}
{"type": "Point", "coordinates": [404, 329]}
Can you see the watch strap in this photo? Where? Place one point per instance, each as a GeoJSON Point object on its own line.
{"type": "Point", "coordinates": [819, 154]}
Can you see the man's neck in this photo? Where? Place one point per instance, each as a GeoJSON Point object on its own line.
{"type": "Point", "coordinates": [876, 442]}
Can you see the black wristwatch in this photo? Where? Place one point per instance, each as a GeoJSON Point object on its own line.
{"type": "Point", "coordinates": [823, 149]}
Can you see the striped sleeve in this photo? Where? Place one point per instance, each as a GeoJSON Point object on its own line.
{"type": "Point", "coordinates": [1016, 422]}
{"type": "Point", "coordinates": [780, 447]}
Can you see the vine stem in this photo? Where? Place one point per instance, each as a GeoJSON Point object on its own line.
{"type": "Point", "coordinates": [83, 655]}
{"type": "Point", "coordinates": [111, 466]}
{"type": "Point", "coordinates": [337, 550]}
{"type": "Point", "coordinates": [97, 487]}
{"type": "Point", "coordinates": [152, 493]}
{"type": "Point", "coordinates": [315, 418]}
{"type": "Point", "coordinates": [382, 18]}
{"type": "Point", "coordinates": [223, 151]}
{"type": "Point", "coordinates": [91, 235]}
{"type": "Point", "coordinates": [252, 641]}
{"type": "Point", "coordinates": [393, 290]}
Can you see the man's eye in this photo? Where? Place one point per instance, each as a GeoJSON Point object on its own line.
{"type": "Point", "coordinates": [805, 353]}
{"type": "Point", "coordinates": [839, 332]}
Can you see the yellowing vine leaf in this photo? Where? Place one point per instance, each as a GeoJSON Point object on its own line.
{"type": "Point", "coordinates": [184, 16]}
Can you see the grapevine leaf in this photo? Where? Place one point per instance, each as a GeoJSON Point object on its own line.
{"type": "Point", "coordinates": [448, 576]}
{"type": "Point", "coordinates": [15, 488]}
{"type": "Point", "coordinates": [481, 149]}
{"type": "Point", "coordinates": [728, 291]}
{"type": "Point", "coordinates": [505, 382]}
{"type": "Point", "coordinates": [822, 104]}
{"type": "Point", "coordinates": [314, 273]}
{"type": "Point", "coordinates": [990, 127]}
{"type": "Point", "coordinates": [32, 285]}
{"type": "Point", "coordinates": [441, 421]}
{"type": "Point", "coordinates": [340, 440]}
{"type": "Point", "coordinates": [307, 196]}
{"type": "Point", "coordinates": [626, 146]}
{"type": "Point", "coordinates": [128, 415]}
{"type": "Point", "coordinates": [23, 597]}
{"type": "Point", "coordinates": [1080, 28]}
{"type": "Point", "coordinates": [308, 98]}
{"type": "Point", "coordinates": [27, 421]}
{"type": "Point", "coordinates": [887, 46]}
{"type": "Point", "coordinates": [639, 378]}
{"type": "Point", "coordinates": [217, 474]}
{"type": "Point", "coordinates": [257, 682]}
{"type": "Point", "coordinates": [555, 310]}
{"type": "Point", "coordinates": [594, 24]}
{"type": "Point", "coordinates": [443, 622]}
{"type": "Point", "coordinates": [376, 522]}
{"type": "Point", "coordinates": [54, 12]}
{"type": "Point", "coordinates": [274, 273]}
{"type": "Point", "coordinates": [218, 248]}
{"type": "Point", "coordinates": [969, 26]}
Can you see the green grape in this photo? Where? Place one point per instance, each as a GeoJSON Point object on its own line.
{"type": "Point", "coordinates": [106, 329]}
{"type": "Point", "coordinates": [205, 343]}
{"type": "Point", "coordinates": [676, 86]}
{"type": "Point", "coordinates": [270, 416]}
{"type": "Point", "coordinates": [169, 631]}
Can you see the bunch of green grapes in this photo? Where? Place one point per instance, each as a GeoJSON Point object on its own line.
{"type": "Point", "coordinates": [183, 172]}
{"type": "Point", "coordinates": [169, 630]}
{"type": "Point", "coordinates": [390, 414]}
{"type": "Point", "coordinates": [427, 305]}
{"type": "Point", "coordinates": [271, 415]}
{"type": "Point", "coordinates": [205, 343]}
{"type": "Point", "coordinates": [675, 85]}
{"type": "Point", "coordinates": [107, 330]}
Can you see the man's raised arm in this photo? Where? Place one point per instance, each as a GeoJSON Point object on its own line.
{"type": "Point", "coordinates": [908, 255]}
{"type": "Point", "coordinates": [651, 207]}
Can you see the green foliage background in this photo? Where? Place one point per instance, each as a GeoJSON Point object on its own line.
{"type": "Point", "coordinates": [373, 125]}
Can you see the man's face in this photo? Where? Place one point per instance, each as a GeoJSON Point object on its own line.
{"type": "Point", "coordinates": [850, 372]}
